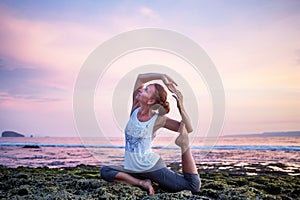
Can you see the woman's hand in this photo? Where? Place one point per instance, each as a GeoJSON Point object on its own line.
{"type": "Point", "coordinates": [185, 118]}
{"type": "Point", "coordinates": [169, 82]}
{"type": "Point", "coordinates": [179, 98]}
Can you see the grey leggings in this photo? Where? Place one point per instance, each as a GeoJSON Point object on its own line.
{"type": "Point", "coordinates": [166, 179]}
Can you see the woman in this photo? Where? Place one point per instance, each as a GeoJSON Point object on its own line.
{"type": "Point", "coordinates": [141, 165]}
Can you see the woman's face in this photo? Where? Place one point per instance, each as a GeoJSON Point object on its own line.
{"type": "Point", "coordinates": [145, 94]}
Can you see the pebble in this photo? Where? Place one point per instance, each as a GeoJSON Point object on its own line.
{"type": "Point", "coordinates": [23, 192]}
{"type": "Point", "coordinates": [25, 176]}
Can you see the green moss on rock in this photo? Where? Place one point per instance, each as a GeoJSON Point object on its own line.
{"type": "Point", "coordinates": [84, 182]}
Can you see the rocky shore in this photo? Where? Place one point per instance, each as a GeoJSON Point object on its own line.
{"type": "Point", "coordinates": [219, 181]}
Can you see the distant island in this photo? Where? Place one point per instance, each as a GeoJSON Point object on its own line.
{"type": "Point", "coordinates": [11, 134]}
{"type": "Point", "coordinates": [268, 134]}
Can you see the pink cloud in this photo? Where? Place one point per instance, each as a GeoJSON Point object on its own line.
{"type": "Point", "coordinates": [48, 44]}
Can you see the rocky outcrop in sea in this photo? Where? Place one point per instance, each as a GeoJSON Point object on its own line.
{"type": "Point", "coordinates": [11, 134]}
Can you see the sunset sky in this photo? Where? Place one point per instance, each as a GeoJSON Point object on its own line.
{"type": "Point", "coordinates": [255, 46]}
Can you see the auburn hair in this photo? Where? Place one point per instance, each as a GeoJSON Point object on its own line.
{"type": "Point", "coordinates": [160, 96]}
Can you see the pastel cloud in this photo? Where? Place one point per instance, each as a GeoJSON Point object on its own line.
{"type": "Point", "coordinates": [148, 12]}
{"type": "Point", "coordinates": [46, 44]}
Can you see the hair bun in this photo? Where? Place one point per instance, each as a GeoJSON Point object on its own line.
{"type": "Point", "coordinates": [160, 96]}
{"type": "Point", "coordinates": [164, 108]}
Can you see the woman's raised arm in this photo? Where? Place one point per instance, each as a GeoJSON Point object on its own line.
{"type": "Point", "coordinates": [144, 78]}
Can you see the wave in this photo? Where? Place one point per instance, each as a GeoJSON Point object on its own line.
{"type": "Point", "coordinates": [217, 147]}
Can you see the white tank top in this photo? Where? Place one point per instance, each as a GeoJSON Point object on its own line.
{"type": "Point", "coordinates": [138, 136]}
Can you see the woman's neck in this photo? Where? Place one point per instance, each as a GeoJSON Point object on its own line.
{"type": "Point", "coordinates": [144, 114]}
{"type": "Point", "coordinates": [144, 110]}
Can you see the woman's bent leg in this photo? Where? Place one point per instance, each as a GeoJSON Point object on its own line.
{"type": "Point", "coordinates": [112, 175]}
{"type": "Point", "coordinates": [123, 177]}
{"type": "Point", "coordinates": [174, 182]}
{"type": "Point", "coordinates": [188, 163]}
{"type": "Point", "coordinates": [107, 173]}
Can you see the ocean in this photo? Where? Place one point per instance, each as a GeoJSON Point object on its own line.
{"type": "Point", "coordinates": [57, 152]}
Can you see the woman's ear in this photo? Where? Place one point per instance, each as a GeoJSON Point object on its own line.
{"type": "Point", "coordinates": [151, 102]}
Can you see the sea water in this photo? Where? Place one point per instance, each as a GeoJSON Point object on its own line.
{"type": "Point", "coordinates": [71, 151]}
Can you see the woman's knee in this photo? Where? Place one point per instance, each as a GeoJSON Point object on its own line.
{"type": "Point", "coordinates": [195, 185]}
{"type": "Point", "coordinates": [107, 173]}
{"type": "Point", "coordinates": [194, 182]}
{"type": "Point", "coordinates": [103, 172]}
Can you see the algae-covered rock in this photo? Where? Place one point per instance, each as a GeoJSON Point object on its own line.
{"type": "Point", "coordinates": [84, 182]}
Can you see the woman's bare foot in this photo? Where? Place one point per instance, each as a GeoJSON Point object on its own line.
{"type": "Point", "coordinates": [183, 139]}
{"type": "Point", "coordinates": [147, 185]}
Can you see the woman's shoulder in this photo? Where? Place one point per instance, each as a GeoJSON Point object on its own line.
{"type": "Point", "coordinates": [134, 108]}
{"type": "Point", "coordinates": [166, 122]}
{"type": "Point", "coordinates": [160, 121]}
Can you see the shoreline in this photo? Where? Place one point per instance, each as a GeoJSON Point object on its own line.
{"type": "Point", "coordinates": [219, 181]}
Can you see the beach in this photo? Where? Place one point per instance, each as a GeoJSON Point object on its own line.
{"type": "Point", "coordinates": [235, 168]}
{"type": "Point", "coordinates": [84, 82]}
